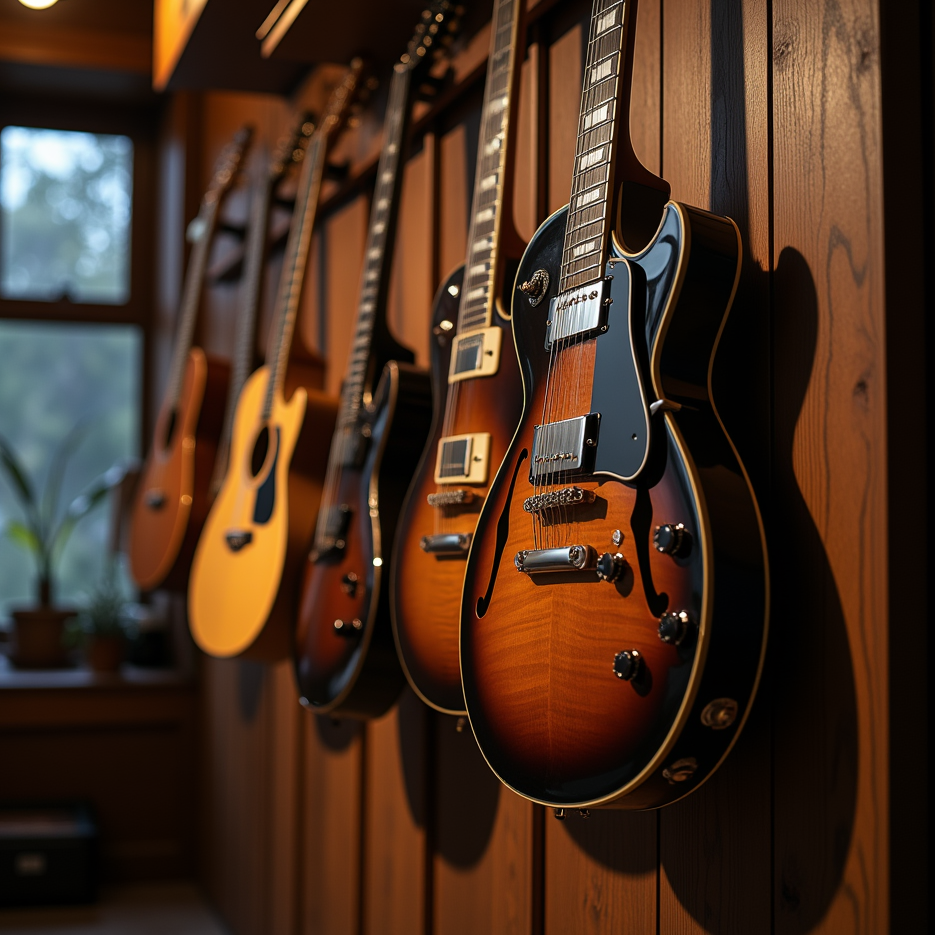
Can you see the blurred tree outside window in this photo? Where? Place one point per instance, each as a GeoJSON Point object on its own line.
{"type": "Point", "coordinates": [65, 211]}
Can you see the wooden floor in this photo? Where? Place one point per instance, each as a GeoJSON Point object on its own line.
{"type": "Point", "coordinates": [154, 909]}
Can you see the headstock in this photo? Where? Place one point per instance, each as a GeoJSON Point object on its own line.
{"type": "Point", "coordinates": [434, 31]}
{"type": "Point", "coordinates": [343, 98]}
{"type": "Point", "coordinates": [291, 147]}
{"type": "Point", "coordinates": [225, 169]}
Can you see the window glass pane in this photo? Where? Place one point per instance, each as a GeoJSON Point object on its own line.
{"type": "Point", "coordinates": [65, 206]}
{"type": "Point", "coordinates": [51, 378]}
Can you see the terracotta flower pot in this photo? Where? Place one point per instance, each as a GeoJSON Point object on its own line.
{"type": "Point", "coordinates": [105, 653]}
{"type": "Point", "coordinates": [37, 635]}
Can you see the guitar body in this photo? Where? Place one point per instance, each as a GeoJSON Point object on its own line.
{"type": "Point", "coordinates": [553, 716]}
{"type": "Point", "coordinates": [241, 597]}
{"type": "Point", "coordinates": [173, 496]}
{"type": "Point", "coordinates": [352, 669]}
{"type": "Point", "coordinates": [426, 586]}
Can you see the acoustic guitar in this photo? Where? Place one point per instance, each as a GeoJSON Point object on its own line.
{"type": "Point", "coordinates": [614, 612]}
{"type": "Point", "coordinates": [173, 495]}
{"type": "Point", "coordinates": [245, 573]}
{"type": "Point", "coordinates": [345, 660]}
{"type": "Point", "coordinates": [477, 396]}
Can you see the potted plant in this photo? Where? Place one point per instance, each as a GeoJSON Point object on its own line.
{"type": "Point", "coordinates": [43, 532]}
{"type": "Point", "coordinates": [102, 623]}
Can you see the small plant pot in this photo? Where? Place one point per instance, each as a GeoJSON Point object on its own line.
{"type": "Point", "coordinates": [37, 636]}
{"type": "Point", "coordinates": [105, 653]}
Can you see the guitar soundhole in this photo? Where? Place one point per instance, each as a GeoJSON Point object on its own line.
{"type": "Point", "coordinates": [170, 428]}
{"type": "Point", "coordinates": [260, 451]}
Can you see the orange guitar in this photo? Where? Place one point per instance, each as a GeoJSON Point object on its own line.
{"type": "Point", "coordinates": [173, 495]}
{"type": "Point", "coordinates": [241, 596]}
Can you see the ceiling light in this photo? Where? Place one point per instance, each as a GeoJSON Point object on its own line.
{"type": "Point", "coordinates": [38, 4]}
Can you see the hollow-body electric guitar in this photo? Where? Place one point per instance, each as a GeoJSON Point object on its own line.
{"type": "Point", "coordinates": [345, 660]}
{"type": "Point", "coordinates": [241, 599]}
{"type": "Point", "coordinates": [477, 397]}
{"type": "Point", "coordinates": [615, 600]}
{"type": "Point", "coordinates": [174, 491]}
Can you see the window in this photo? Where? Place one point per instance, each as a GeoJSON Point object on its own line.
{"type": "Point", "coordinates": [66, 215]}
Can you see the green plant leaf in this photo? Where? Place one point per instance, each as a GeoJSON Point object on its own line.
{"type": "Point", "coordinates": [82, 505]}
{"type": "Point", "coordinates": [16, 474]}
{"type": "Point", "coordinates": [23, 536]}
{"type": "Point", "coordinates": [53, 484]}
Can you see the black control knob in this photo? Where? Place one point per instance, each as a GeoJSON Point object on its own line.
{"type": "Point", "coordinates": [674, 627]}
{"type": "Point", "coordinates": [628, 664]}
{"type": "Point", "coordinates": [610, 566]}
{"type": "Point", "coordinates": [672, 539]}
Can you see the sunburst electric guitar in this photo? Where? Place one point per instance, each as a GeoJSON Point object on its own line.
{"type": "Point", "coordinates": [477, 397]}
{"type": "Point", "coordinates": [174, 491]}
{"type": "Point", "coordinates": [244, 579]}
{"type": "Point", "coordinates": [615, 600]}
{"type": "Point", "coordinates": [345, 660]}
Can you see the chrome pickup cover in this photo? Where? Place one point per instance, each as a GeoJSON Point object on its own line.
{"type": "Point", "coordinates": [454, 543]}
{"type": "Point", "coordinates": [543, 561]}
{"type": "Point", "coordinates": [581, 311]}
{"type": "Point", "coordinates": [553, 499]}
{"type": "Point", "coordinates": [563, 447]}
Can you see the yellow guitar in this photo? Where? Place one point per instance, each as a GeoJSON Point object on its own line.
{"type": "Point", "coordinates": [244, 576]}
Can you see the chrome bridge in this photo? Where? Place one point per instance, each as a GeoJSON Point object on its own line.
{"type": "Point", "coordinates": [564, 447]}
{"type": "Point", "coordinates": [450, 498]}
{"type": "Point", "coordinates": [557, 499]}
{"type": "Point", "coordinates": [551, 561]}
{"type": "Point", "coordinates": [453, 543]}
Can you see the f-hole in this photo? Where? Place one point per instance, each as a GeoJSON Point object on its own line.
{"type": "Point", "coordinates": [260, 451]}
{"type": "Point", "coordinates": [170, 428]}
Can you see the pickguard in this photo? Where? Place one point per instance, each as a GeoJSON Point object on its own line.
{"type": "Point", "coordinates": [619, 366]}
{"type": "Point", "coordinates": [266, 492]}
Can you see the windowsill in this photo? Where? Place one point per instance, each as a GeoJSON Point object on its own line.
{"type": "Point", "coordinates": [128, 677]}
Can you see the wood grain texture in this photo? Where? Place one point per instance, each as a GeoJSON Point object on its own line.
{"type": "Point", "coordinates": [330, 822]}
{"type": "Point", "coordinates": [831, 774]}
{"type": "Point", "coordinates": [395, 859]}
{"type": "Point", "coordinates": [564, 106]}
{"type": "Point", "coordinates": [483, 843]}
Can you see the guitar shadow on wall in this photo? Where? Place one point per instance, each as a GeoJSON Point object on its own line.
{"type": "Point", "coordinates": [790, 785]}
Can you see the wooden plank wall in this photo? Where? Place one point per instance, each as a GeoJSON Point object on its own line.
{"type": "Point", "coordinates": [766, 110]}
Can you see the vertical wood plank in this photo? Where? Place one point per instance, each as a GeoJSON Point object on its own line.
{"type": "Point", "coordinates": [394, 820]}
{"type": "Point", "coordinates": [483, 843]}
{"type": "Point", "coordinates": [600, 873]}
{"type": "Point", "coordinates": [527, 133]}
{"type": "Point", "coordinates": [453, 210]}
{"type": "Point", "coordinates": [411, 288]}
{"type": "Point", "coordinates": [831, 773]}
{"type": "Point", "coordinates": [564, 106]}
{"type": "Point", "coordinates": [345, 234]}
{"type": "Point", "coordinates": [331, 827]}
{"type": "Point", "coordinates": [715, 862]}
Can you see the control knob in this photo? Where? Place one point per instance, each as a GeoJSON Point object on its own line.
{"type": "Point", "coordinates": [674, 627]}
{"type": "Point", "coordinates": [628, 664]}
{"type": "Point", "coordinates": [610, 566]}
{"type": "Point", "coordinates": [671, 539]}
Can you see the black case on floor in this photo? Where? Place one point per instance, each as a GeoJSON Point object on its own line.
{"type": "Point", "coordinates": [48, 855]}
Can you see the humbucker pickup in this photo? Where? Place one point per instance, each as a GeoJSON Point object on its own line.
{"type": "Point", "coordinates": [581, 311]}
{"type": "Point", "coordinates": [564, 447]}
{"type": "Point", "coordinates": [463, 459]}
{"type": "Point", "coordinates": [475, 354]}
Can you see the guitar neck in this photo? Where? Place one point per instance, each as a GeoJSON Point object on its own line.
{"type": "Point", "coordinates": [293, 271]}
{"type": "Point", "coordinates": [490, 208]}
{"type": "Point", "coordinates": [603, 141]}
{"type": "Point", "coordinates": [191, 298]}
{"type": "Point", "coordinates": [371, 308]}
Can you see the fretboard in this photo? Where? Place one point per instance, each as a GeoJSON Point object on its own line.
{"type": "Point", "coordinates": [487, 207]}
{"type": "Point", "coordinates": [376, 262]}
{"type": "Point", "coordinates": [204, 225]}
{"type": "Point", "coordinates": [589, 214]}
{"type": "Point", "coordinates": [293, 269]}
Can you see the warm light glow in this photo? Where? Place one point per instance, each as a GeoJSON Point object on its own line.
{"type": "Point", "coordinates": [38, 4]}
